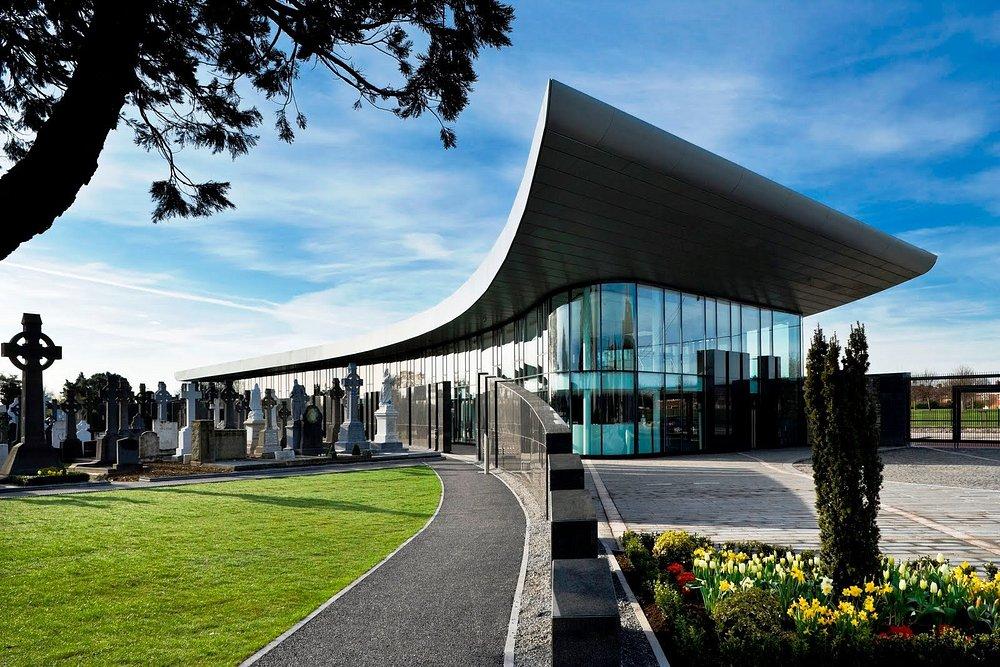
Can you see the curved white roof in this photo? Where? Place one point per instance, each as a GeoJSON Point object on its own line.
{"type": "Point", "coordinates": [606, 196]}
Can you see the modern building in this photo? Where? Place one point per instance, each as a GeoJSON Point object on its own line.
{"type": "Point", "coordinates": [651, 291]}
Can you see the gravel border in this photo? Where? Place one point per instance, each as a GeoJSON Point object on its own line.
{"type": "Point", "coordinates": [532, 644]}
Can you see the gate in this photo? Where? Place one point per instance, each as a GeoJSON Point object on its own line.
{"type": "Point", "coordinates": [956, 408]}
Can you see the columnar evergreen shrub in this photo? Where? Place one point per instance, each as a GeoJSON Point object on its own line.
{"type": "Point", "coordinates": [847, 469]}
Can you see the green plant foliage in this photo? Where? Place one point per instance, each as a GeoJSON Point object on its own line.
{"type": "Point", "coordinates": [641, 557]}
{"type": "Point", "coordinates": [686, 636]}
{"type": "Point", "coordinates": [847, 470]}
{"type": "Point", "coordinates": [749, 626]}
{"type": "Point", "coordinates": [677, 546]}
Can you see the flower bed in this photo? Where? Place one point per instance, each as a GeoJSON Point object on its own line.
{"type": "Point", "coordinates": [51, 475]}
{"type": "Point", "coordinates": [752, 603]}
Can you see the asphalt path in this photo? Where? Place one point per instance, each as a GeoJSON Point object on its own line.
{"type": "Point", "coordinates": [443, 599]}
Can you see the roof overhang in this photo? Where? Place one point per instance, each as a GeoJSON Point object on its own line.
{"type": "Point", "coordinates": [606, 196]}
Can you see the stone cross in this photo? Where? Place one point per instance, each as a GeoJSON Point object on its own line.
{"type": "Point", "coordinates": [190, 396]}
{"type": "Point", "coordinates": [352, 385]}
{"type": "Point", "coordinates": [162, 398]}
{"type": "Point", "coordinates": [283, 414]}
{"type": "Point", "coordinates": [125, 399]}
{"type": "Point", "coordinates": [71, 406]}
{"type": "Point", "coordinates": [110, 394]}
{"type": "Point", "coordinates": [352, 431]}
{"type": "Point", "coordinates": [145, 400]}
{"type": "Point", "coordinates": [268, 405]}
{"type": "Point", "coordinates": [31, 351]}
{"type": "Point", "coordinates": [229, 397]}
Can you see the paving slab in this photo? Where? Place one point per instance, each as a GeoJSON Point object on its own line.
{"type": "Point", "coordinates": [762, 495]}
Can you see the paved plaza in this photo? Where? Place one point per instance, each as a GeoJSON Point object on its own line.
{"type": "Point", "coordinates": [764, 495]}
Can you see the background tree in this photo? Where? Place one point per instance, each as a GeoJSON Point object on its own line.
{"type": "Point", "coordinates": [176, 73]}
{"type": "Point", "coordinates": [847, 469]}
{"type": "Point", "coordinates": [10, 388]}
{"type": "Point", "coordinates": [88, 393]}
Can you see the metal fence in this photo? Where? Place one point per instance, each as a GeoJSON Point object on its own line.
{"type": "Point", "coordinates": [518, 434]}
{"type": "Point", "coordinates": [956, 408]}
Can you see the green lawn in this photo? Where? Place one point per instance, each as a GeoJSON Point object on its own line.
{"type": "Point", "coordinates": [970, 417]}
{"type": "Point", "coordinates": [195, 574]}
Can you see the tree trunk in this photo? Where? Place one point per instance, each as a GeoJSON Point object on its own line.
{"type": "Point", "coordinates": [63, 158]}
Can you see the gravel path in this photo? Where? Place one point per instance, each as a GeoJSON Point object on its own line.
{"type": "Point", "coordinates": [443, 599]}
{"type": "Point", "coordinates": [971, 469]}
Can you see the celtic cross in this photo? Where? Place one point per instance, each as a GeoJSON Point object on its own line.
{"type": "Point", "coordinates": [31, 351]}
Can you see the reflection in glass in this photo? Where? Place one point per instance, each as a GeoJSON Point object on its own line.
{"type": "Point", "coordinates": [650, 342]}
{"type": "Point", "coordinates": [616, 413]}
{"type": "Point", "coordinates": [672, 330]}
{"type": "Point", "coordinates": [616, 350]}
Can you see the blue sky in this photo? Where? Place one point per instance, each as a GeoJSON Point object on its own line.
{"type": "Point", "coordinates": [886, 111]}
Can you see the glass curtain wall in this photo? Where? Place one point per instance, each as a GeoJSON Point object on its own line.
{"type": "Point", "coordinates": [635, 369]}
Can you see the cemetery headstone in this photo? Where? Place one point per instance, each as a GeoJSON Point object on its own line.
{"type": "Point", "coordinates": [255, 419]}
{"type": "Point", "coordinates": [352, 432]}
{"type": "Point", "coordinates": [267, 439]}
{"type": "Point", "coordinates": [229, 397]}
{"type": "Point", "coordinates": [127, 455]}
{"type": "Point", "coordinates": [385, 419]}
{"type": "Point", "coordinates": [162, 398]}
{"type": "Point", "coordinates": [83, 431]}
{"type": "Point", "coordinates": [312, 431]}
{"type": "Point", "coordinates": [285, 452]}
{"type": "Point", "coordinates": [107, 444]}
{"type": "Point", "coordinates": [298, 399]}
{"type": "Point", "coordinates": [335, 414]}
{"type": "Point", "coordinates": [72, 446]}
{"type": "Point", "coordinates": [149, 445]}
{"type": "Point", "coordinates": [31, 351]}
{"type": "Point", "coordinates": [190, 396]}
{"type": "Point", "coordinates": [144, 399]}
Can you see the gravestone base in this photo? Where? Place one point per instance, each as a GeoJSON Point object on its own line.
{"type": "Point", "coordinates": [266, 444]}
{"type": "Point", "coordinates": [72, 449]}
{"type": "Point", "coordinates": [284, 455]}
{"type": "Point", "coordinates": [184, 443]}
{"type": "Point", "coordinates": [28, 461]}
{"type": "Point", "coordinates": [107, 448]}
{"type": "Point", "coordinates": [386, 438]}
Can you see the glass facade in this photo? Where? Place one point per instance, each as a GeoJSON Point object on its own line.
{"type": "Point", "coordinates": [634, 369]}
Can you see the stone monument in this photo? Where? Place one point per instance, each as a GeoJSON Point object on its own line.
{"type": "Point", "coordinates": [336, 413]}
{"type": "Point", "coordinates": [229, 396]}
{"type": "Point", "coordinates": [144, 399]}
{"type": "Point", "coordinates": [267, 440]}
{"type": "Point", "coordinates": [107, 444]}
{"type": "Point", "coordinates": [312, 431]}
{"type": "Point", "coordinates": [385, 419]}
{"type": "Point", "coordinates": [166, 430]}
{"type": "Point", "coordinates": [83, 431]}
{"type": "Point", "coordinates": [60, 424]}
{"type": "Point", "coordinates": [352, 431]}
{"type": "Point", "coordinates": [72, 446]}
{"type": "Point", "coordinates": [285, 452]}
{"type": "Point", "coordinates": [298, 399]}
{"type": "Point", "coordinates": [4, 426]}
{"type": "Point", "coordinates": [149, 445]}
{"type": "Point", "coordinates": [190, 396]}
{"type": "Point", "coordinates": [32, 352]}
{"type": "Point", "coordinates": [255, 419]}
